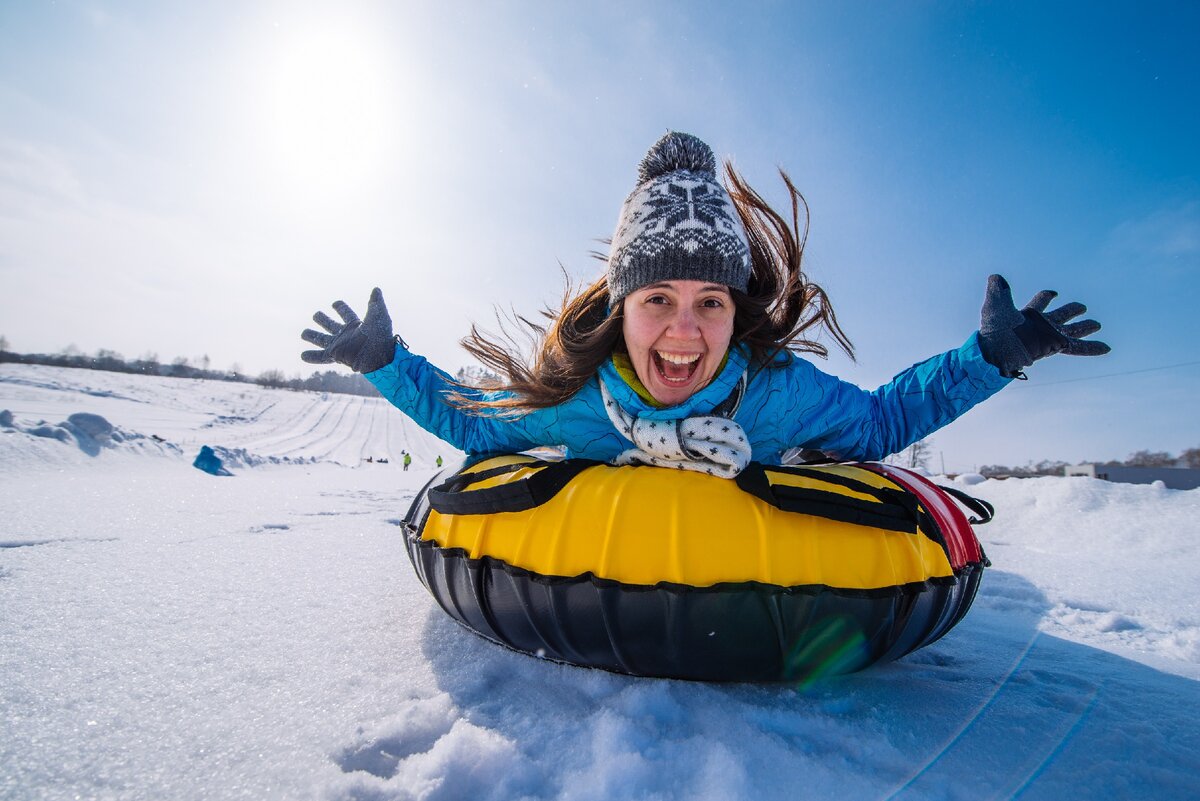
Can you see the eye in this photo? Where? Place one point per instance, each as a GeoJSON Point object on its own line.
{"type": "Point", "coordinates": [657, 299]}
{"type": "Point", "coordinates": [712, 303]}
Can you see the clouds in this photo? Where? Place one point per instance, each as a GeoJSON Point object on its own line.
{"type": "Point", "coordinates": [34, 175]}
{"type": "Point", "coordinates": [1168, 237]}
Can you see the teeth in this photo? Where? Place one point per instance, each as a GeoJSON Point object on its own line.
{"type": "Point", "coordinates": [678, 358]}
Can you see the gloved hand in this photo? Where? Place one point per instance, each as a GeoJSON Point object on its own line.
{"type": "Point", "coordinates": [362, 345]}
{"type": "Point", "coordinates": [1012, 339]}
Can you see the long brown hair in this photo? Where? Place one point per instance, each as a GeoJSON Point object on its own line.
{"type": "Point", "coordinates": [778, 311]}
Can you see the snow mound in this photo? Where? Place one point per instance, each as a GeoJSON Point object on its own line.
{"type": "Point", "coordinates": [88, 433]}
{"type": "Point", "coordinates": [241, 458]}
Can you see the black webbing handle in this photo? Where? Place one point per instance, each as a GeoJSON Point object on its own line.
{"type": "Point", "coordinates": [452, 498]}
{"type": "Point", "coordinates": [977, 505]}
{"type": "Point", "coordinates": [895, 511]}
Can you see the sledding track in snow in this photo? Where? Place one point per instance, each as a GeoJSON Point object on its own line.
{"type": "Point", "coordinates": [273, 424]}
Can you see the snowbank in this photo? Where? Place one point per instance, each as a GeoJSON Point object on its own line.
{"type": "Point", "coordinates": [167, 634]}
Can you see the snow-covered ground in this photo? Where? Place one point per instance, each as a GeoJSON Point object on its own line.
{"type": "Point", "coordinates": [168, 634]}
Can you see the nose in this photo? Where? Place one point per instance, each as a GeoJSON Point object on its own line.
{"type": "Point", "coordinates": [684, 324]}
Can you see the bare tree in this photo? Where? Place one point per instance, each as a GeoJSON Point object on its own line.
{"type": "Point", "coordinates": [108, 359]}
{"type": "Point", "coordinates": [915, 456]}
{"type": "Point", "coordinates": [1150, 459]}
{"type": "Point", "coordinates": [475, 376]}
{"type": "Point", "coordinates": [147, 363]}
{"type": "Point", "coordinates": [1048, 467]}
{"type": "Point", "coordinates": [1190, 457]}
{"type": "Point", "coordinates": [271, 378]}
{"type": "Point", "coordinates": [3, 342]}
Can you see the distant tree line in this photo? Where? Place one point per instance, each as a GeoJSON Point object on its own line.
{"type": "Point", "coordinates": [1187, 458]}
{"type": "Point", "coordinates": [1046, 467]}
{"type": "Point", "coordinates": [182, 367]}
{"type": "Point", "coordinates": [918, 455]}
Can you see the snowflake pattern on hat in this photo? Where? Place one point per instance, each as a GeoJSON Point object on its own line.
{"type": "Point", "coordinates": [686, 212]}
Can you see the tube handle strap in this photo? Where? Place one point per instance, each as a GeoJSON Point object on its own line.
{"type": "Point", "coordinates": [452, 497]}
{"type": "Point", "coordinates": [977, 505]}
{"type": "Point", "coordinates": [894, 510]}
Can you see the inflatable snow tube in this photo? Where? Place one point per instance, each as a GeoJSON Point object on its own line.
{"type": "Point", "coordinates": [785, 574]}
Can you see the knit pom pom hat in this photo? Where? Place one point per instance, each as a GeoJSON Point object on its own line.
{"type": "Point", "coordinates": [678, 224]}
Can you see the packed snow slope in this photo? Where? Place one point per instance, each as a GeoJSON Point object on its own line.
{"type": "Point", "coordinates": [165, 633]}
{"type": "Point", "coordinates": [179, 415]}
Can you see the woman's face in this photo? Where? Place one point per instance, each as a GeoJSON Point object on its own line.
{"type": "Point", "coordinates": [677, 333]}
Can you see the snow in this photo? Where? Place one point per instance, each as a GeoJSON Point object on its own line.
{"type": "Point", "coordinates": [165, 633]}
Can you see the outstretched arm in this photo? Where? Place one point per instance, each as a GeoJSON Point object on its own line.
{"type": "Point", "coordinates": [419, 389]}
{"type": "Point", "coordinates": [847, 422]}
{"type": "Point", "coordinates": [408, 381]}
{"type": "Point", "coordinates": [856, 424]}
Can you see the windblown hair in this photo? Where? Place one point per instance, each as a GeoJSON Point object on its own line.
{"type": "Point", "coordinates": [780, 310]}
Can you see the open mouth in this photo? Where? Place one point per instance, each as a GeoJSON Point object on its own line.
{"type": "Point", "coordinates": [676, 368]}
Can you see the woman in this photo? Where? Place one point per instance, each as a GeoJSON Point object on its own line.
{"type": "Point", "coordinates": [684, 353]}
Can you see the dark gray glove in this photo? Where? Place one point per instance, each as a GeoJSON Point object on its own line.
{"type": "Point", "coordinates": [362, 345]}
{"type": "Point", "coordinates": [1012, 339]}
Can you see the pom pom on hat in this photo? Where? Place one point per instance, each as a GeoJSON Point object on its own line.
{"type": "Point", "coordinates": [677, 151]}
{"type": "Point", "coordinates": [678, 224]}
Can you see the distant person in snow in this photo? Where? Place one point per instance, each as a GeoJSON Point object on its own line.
{"type": "Point", "coordinates": [407, 460]}
{"type": "Point", "coordinates": [685, 352]}
{"type": "Point", "coordinates": [439, 460]}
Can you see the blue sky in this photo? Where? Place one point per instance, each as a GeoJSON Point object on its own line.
{"type": "Point", "coordinates": [197, 179]}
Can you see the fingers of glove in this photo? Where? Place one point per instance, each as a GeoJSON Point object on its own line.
{"type": "Point", "coordinates": [316, 356]}
{"type": "Point", "coordinates": [325, 321]}
{"type": "Point", "coordinates": [316, 338]}
{"type": "Point", "coordinates": [347, 314]}
{"type": "Point", "coordinates": [998, 289]}
{"type": "Point", "coordinates": [376, 300]}
{"type": "Point", "coordinates": [1080, 329]}
{"type": "Point", "coordinates": [377, 312]}
{"type": "Point", "coordinates": [1065, 312]}
{"type": "Point", "coordinates": [1087, 347]}
{"type": "Point", "coordinates": [999, 312]}
{"type": "Point", "coordinates": [1041, 300]}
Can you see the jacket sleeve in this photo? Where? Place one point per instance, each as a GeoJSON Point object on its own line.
{"type": "Point", "coordinates": [848, 422]}
{"type": "Point", "coordinates": [417, 388]}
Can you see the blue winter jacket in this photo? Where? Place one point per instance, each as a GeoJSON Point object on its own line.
{"type": "Point", "coordinates": [789, 404]}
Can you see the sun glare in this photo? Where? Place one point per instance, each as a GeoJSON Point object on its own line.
{"type": "Point", "coordinates": [328, 111]}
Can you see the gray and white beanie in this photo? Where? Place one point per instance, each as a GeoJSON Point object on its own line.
{"type": "Point", "coordinates": [678, 224]}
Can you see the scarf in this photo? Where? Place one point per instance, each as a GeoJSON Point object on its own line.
{"type": "Point", "coordinates": [712, 444]}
